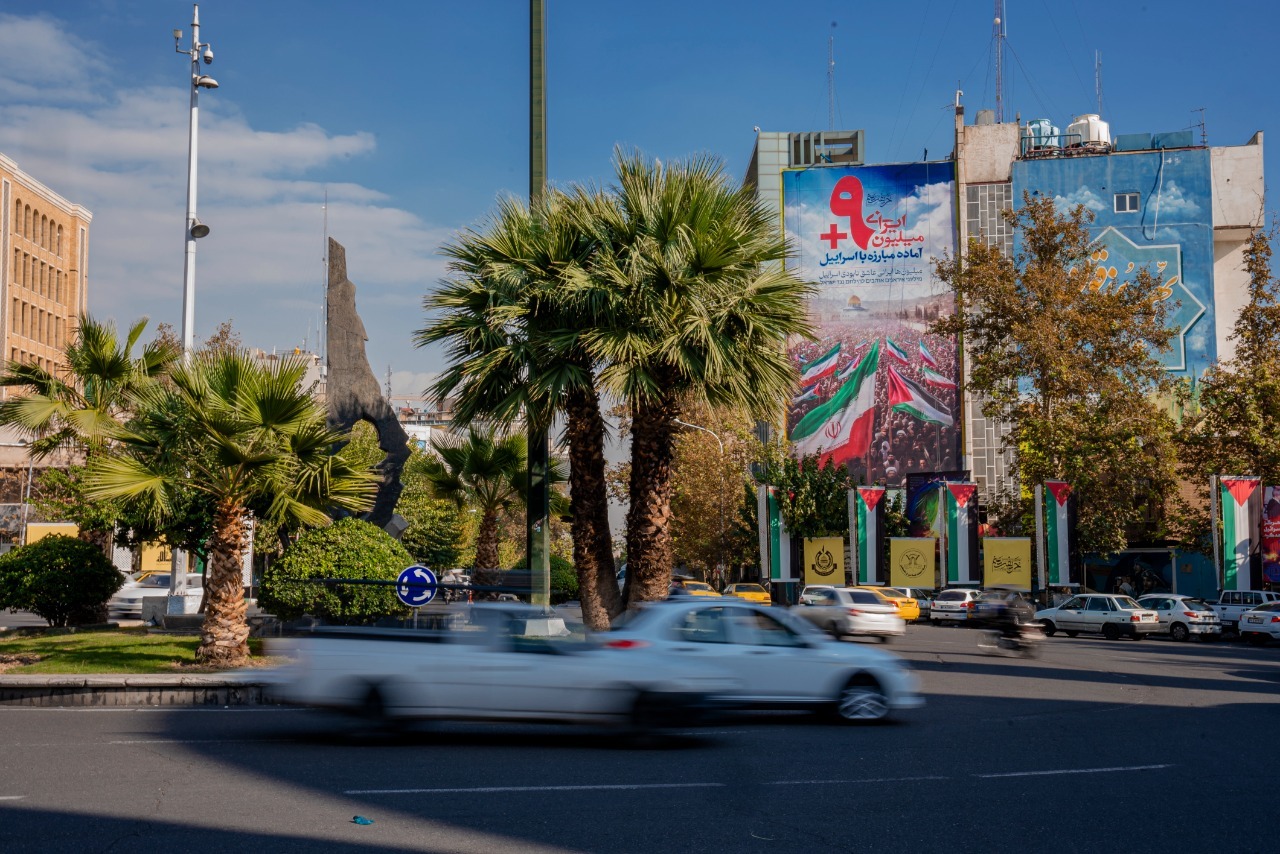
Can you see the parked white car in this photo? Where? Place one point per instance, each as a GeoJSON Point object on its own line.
{"type": "Point", "coordinates": [776, 659]}
{"type": "Point", "coordinates": [1094, 613]}
{"type": "Point", "coordinates": [850, 612]}
{"type": "Point", "coordinates": [127, 601]}
{"type": "Point", "coordinates": [1261, 624]}
{"type": "Point", "coordinates": [492, 671]}
{"type": "Point", "coordinates": [1183, 616]}
{"type": "Point", "coordinates": [953, 606]}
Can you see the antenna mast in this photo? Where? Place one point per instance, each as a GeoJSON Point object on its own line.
{"type": "Point", "coordinates": [322, 334]}
{"type": "Point", "coordinates": [1097, 77]}
{"type": "Point", "coordinates": [998, 34]}
{"type": "Point", "coordinates": [831, 78]}
{"type": "Point", "coordinates": [1204, 132]}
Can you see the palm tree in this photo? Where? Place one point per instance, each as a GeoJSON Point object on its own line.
{"type": "Point", "coordinates": [513, 312]}
{"type": "Point", "coordinates": [82, 403]}
{"type": "Point", "coordinates": [250, 437]}
{"type": "Point", "coordinates": [484, 471]}
{"type": "Point", "coordinates": [700, 311]}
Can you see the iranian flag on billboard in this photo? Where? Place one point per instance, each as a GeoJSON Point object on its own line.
{"type": "Point", "coordinates": [840, 429]}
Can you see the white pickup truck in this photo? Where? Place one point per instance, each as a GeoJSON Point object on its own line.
{"type": "Point", "coordinates": [1232, 603]}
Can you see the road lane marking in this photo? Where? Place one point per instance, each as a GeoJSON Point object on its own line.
{"type": "Point", "coordinates": [851, 782]}
{"type": "Point", "coordinates": [1074, 771]}
{"type": "Point", "coordinates": [197, 741]}
{"type": "Point", "coordinates": [12, 797]}
{"type": "Point", "coordinates": [488, 789]}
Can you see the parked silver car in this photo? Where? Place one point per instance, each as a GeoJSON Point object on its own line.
{"type": "Point", "coordinates": [1183, 616]}
{"type": "Point", "coordinates": [1094, 613]}
{"type": "Point", "coordinates": [849, 612]}
{"type": "Point", "coordinates": [953, 606]}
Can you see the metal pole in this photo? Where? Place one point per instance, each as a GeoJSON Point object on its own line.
{"type": "Point", "coordinates": [189, 267]}
{"type": "Point", "coordinates": [1041, 543]}
{"type": "Point", "coordinates": [538, 511]}
{"type": "Point", "coordinates": [26, 501]}
{"type": "Point", "coordinates": [1213, 530]}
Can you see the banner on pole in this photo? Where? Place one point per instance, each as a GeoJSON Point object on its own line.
{"type": "Point", "coordinates": [961, 515]}
{"type": "Point", "coordinates": [1241, 501]}
{"type": "Point", "coordinates": [912, 561]}
{"type": "Point", "coordinates": [779, 541]}
{"type": "Point", "coordinates": [824, 560]}
{"type": "Point", "coordinates": [870, 535]}
{"type": "Point", "coordinates": [1006, 562]}
{"type": "Point", "coordinates": [1271, 535]}
{"type": "Point", "coordinates": [1058, 532]}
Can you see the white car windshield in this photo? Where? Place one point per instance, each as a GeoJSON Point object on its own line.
{"type": "Point", "coordinates": [1128, 604]}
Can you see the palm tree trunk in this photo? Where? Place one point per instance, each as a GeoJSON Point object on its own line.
{"type": "Point", "coordinates": [649, 517]}
{"type": "Point", "coordinates": [592, 542]}
{"type": "Point", "coordinates": [485, 571]}
{"type": "Point", "coordinates": [224, 639]}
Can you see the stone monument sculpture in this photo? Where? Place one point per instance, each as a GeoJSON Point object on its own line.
{"type": "Point", "coordinates": [353, 391]}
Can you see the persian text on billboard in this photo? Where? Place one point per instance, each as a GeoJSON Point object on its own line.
{"type": "Point", "coordinates": [878, 392]}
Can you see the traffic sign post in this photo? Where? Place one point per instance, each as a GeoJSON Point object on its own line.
{"type": "Point", "coordinates": [416, 586]}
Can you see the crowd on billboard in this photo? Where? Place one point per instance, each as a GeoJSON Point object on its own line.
{"type": "Point", "coordinates": [901, 443]}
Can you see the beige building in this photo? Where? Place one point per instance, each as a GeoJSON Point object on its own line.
{"type": "Point", "coordinates": [44, 241]}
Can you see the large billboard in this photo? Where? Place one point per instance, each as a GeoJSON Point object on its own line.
{"type": "Point", "coordinates": [878, 391]}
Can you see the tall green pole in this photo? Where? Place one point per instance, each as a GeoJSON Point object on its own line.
{"type": "Point", "coordinates": [537, 515]}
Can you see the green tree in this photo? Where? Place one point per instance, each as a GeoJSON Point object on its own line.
{"type": "Point", "coordinates": [63, 580]}
{"type": "Point", "coordinates": [516, 311]}
{"type": "Point", "coordinates": [79, 404]}
{"type": "Point", "coordinates": [1069, 365]}
{"type": "Point", "coordinates": [1229, 425]}
{"type": "Point", "coordinates": [252, 439]}
{"type": "Point", "coordinates": [698, 309]}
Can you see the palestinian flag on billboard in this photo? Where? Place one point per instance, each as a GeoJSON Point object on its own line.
{"type": "Point", "coordinates": [935, 378]}
{"type": "Point", "coordinates": [906, 396]}
{"type": "Point", "coordinates": [868, 527]}
{"type": "Point", "coordinates": [811, 394]}
{"type": "Point", "coordinates": [928, 357]}
{"type": "Point", "coordinates": [823, 366]}
{"type": "Point", "coordinates": [891, 348]}
{"type": "Point", "coordinates": [1241, 500]}
{"type": "Point", "coordinates": [840, 429]}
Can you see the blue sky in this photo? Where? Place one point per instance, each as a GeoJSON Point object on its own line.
{"type": "Point", "coordinates": [413, 115]}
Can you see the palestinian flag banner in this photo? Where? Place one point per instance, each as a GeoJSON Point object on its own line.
{"type": "Point", "coordinates": [1241, 501]}
{"type": "Point", "coordinates": [868, 538]}
{"type": "Point", "coordinates": [840, 429]}
{"type": "Point", "coordinates": [928, 357]}
{"type": "Point", "coordinates": [892, 349]}
{"type": "Point", "coordinates": [779, 541]}
{"type": "Point", "coordinates": [961, 513]}
{"type": "Point", "coordinates": [823, 366]}
{"type": "Point", "coordinates": [811, 394]}
{"type": "Point", "coordinates": [935, 378]}
{"type": "Point", "coordinates": [907, 396]}
{"type": "Point", "coordinates": [1057, 526]}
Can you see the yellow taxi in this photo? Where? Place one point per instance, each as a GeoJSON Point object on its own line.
{"type": "Point", "coordinates": [750, 592]}
{"type": "Point", "coordinates": [908, 608]}
{"type": "Point", "coordinates": [693, 588]}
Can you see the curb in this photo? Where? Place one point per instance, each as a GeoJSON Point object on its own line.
{"type": "Point", "coordinates": [133, 690]}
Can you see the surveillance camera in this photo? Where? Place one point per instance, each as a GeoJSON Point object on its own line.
{"type": "Point", "coordinates": [208, 55]}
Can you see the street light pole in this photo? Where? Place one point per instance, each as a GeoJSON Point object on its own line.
{"type": "Point", "coordinates": [26, 496]}
{"type": "Point", "coordinates": [720, 493]}
{"type": "Point", "coordinates": [193, 230]}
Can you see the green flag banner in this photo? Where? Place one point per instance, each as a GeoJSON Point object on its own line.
{"type": "Point", "coordinates": [961, 511]}
{"type": "Point", "coordinates": [1241, 502]}
{"type": "Point", "coordinates": [1057, 524]}
{"type": "Point", "coordinates": [870, 534]}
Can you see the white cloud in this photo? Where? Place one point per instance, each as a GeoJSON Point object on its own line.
{"type": "Point", "coordinates": [1171, 200]}
{"type": "Point", "coordinates": [123, 155]}
{"type": "Point", "coordinates": [1083, 196]}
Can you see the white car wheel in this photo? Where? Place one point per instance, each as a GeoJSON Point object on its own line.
{"type": "Point", "coordinates": [862, 702]}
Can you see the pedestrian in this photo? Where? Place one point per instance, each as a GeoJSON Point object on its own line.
{"type": "Point", "coordinates": [1125, 587]}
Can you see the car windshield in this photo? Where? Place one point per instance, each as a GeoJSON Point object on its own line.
{"type": "Point", "coordinates": [696, 585]}
{"type": "Point", "coordinates": [748, 588]}
{"type": "Point", "coordinates": [154, 581]}
{"type": "Point", "coordinates": [1128, 604]}
{"type": "Point", "coordinates": [1270, 606]}
{"type": "Point", "coordinates": [865, 597]}
{"type": "Point", "coordinates": [1195, 605]}
{"type": "Point", "coordinates": [953, 595]}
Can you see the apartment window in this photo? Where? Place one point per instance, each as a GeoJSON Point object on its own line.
{"type": "Point", "coordinates": [58, 249]}
{"type": "Point", "coordinates": [1126, 202]}
{"type": "Point", "coordinates": [17, 215]}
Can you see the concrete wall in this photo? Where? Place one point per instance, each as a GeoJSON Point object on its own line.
{"type": "Point", "coordinates": [1237, 184]}
{"type": "Point", "coordinates": [987, 152]}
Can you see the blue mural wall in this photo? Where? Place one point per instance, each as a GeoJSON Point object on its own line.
{"type": "Point", "coordinates": [1169, 229]}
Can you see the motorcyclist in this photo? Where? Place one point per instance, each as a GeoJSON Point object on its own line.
{"type": "Point", "coordinates": [1007, 614]}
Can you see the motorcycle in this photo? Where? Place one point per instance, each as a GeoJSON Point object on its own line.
{"type": "Point", "coordinates": [1025, 644]}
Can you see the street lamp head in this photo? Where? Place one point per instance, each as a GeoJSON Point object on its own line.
{"type": "Point", "coordinates": [177, 35]}
{"type": "Point", "coordinates": [208, 55]}
{"type": "Point", "coordinates": [204, 81]}
{"type": "Point", "coordinates": [199, 229]}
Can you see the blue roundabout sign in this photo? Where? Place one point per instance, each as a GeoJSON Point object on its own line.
{"type": "Point", "coordinates": [416, 586]}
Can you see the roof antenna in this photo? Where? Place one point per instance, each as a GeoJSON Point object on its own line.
{"type": "Point", "coordinates": [1097, 78]}
{"type": "Point", "coordinates": [999, 35]}
{"type": "Point", "coordinates": [1204, 132]}
{"type": "Point", "coordinates": [831, 78]}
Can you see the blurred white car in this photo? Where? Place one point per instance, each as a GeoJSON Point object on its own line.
{"type": "Point", "coordinates": [491, 670]}
{"type": "Point", "coordinates": [777, 659]}
{"type": "Point", "coordinates": [1110, 615]}
{"type": "Point", "coordinates": [127, 601]}
{"type": "Point", "coordinates": [850, 612]}
{"type": "Point", "coordinates": [1261, 624]}
{"type": "Point", "coordinates": [1183, 616]}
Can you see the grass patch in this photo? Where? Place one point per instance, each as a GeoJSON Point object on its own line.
{"type": "Point", "coordinates": [120, 651]}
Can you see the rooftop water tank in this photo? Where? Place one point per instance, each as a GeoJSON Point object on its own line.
{"type": "Point", "coordinates": [1089, 131]}
{"type": "Point", "coordinates": [1041, 134]}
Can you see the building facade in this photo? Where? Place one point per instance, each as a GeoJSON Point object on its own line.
{"type": "Point", "coordinates": [44, 241]}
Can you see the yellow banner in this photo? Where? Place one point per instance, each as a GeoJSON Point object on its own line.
{"type": "Point", "coordinates": [824, 561]}
{"type": "Point", "coordinates": [37, 531]}
{"type": "Point", "coordinates": [913, 561]}
{"type": "Point", "coordinates": [1006, 562]}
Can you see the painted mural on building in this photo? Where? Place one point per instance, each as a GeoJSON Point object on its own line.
{"type": "Point", "coordinates": [878, 392]}
{"type": "Point", "coordinates": [1151, 209]}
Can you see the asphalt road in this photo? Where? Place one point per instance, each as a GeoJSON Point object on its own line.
{"type": "Point", "coordinates": [1097, 745]}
